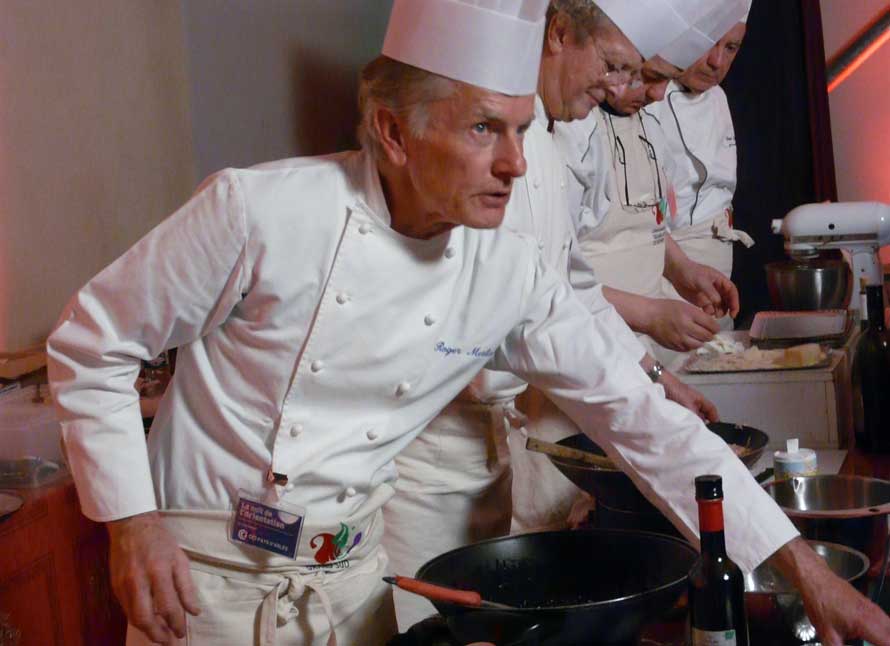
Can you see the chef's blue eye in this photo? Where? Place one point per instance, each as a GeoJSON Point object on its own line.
{"type": "Point", "coordinates": [480, 128]}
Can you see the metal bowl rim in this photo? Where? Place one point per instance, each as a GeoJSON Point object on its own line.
{"type": "Point", "coordinates": [576, 606]}
{"type": "Point", "coordinates": [852, 512]}
{"type": "Point", "coordinates": [864, 560]}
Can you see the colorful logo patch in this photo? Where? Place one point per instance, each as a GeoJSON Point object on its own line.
{"type": "Point", "coordinates": [329, 548]}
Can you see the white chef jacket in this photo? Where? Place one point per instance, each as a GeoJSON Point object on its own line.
{"type": "Point", "coordinates": [317, 341]}
{"type": "Point", "coordinates": [700, 136]}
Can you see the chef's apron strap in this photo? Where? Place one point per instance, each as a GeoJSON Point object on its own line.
{"type": "Point", "coordinates": [279, 606]}
{"type": "Point", "coordinates": [503, 417]}
{"type": "Point", "coordinates": [722, 229]}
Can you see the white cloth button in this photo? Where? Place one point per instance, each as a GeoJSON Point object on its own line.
{"type": "Point", "coordinates": [536, 183]}
{"type": "Point", "coordinates": [449, 252]}
{"type": "Point", "coordinates": [402, 388]}
{"type": "Point", "coordinates": [350, 491]}
{"type": "Point", "coordinates": [372, 434]}
{"type": "Point", "coordinates": [316, 365]}
{"type": "Point", "coordinates": [289, 486]}
{"type": "Point", "coordinates": [364, 228]}
{"type": "Point", "coordinates": [429, 319]}
{"type": "Point", "coordinates": [342, 298]}
{"type": "Point", "coordinates": [296, 429]}
{"type": "Point", "coordinates": [541, 246]}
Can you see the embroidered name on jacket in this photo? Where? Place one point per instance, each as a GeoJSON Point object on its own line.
{"type": "Point", "coordinates": [476, 351]}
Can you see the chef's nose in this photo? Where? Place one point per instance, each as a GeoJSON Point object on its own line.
{"type": "Point", "coordinates": [509, 161]}
{"type": "Point", "coordinates": [656, 91]}
{"type": "Point", "coordinates": [715, 57]}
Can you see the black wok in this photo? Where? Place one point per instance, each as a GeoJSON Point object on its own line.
{"type": "Point", "coordinates": [614, 489]}
{"type": "Point", "coordinates": [569, 587]}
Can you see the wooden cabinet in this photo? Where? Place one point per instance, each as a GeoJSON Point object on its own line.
{"type": "Point", "coordinates": [54, 584]}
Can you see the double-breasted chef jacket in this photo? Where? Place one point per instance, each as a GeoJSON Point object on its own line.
{"type": "Point", "coordinates": [316, 342]}
{"type": "Point", "coordinates": [701, 138]}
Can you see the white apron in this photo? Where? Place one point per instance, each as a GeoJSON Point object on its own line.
{"type": "Point", "coordinates": [249, 597]}
{"type": "Point", "coordinates": [626, 249]}
{"type": "Point", "coordinates": [453, 489]}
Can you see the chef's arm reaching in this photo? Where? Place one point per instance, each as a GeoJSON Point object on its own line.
{"type": "Point", "coordinates": [674, 324]}
{"type": "Point", "coordinates": [699, 284]}
{"type": "Point", "coordinates": [671, 323]}
{"type": "Point", "coordinates": [837, 610]}
{"type": "Point", "coordinates": [661, 447]}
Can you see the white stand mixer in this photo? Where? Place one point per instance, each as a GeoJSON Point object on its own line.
{"type": "Point", "coordinates": [859, 228]}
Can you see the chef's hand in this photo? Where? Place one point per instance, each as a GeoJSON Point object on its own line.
{"type": "Point", "coordinates": [835, 608]}
{"type": "Point", "coordinates": [707, 288]}
{"type": "Point", "coordinates": [680, 326]}
{"type": "Point", "coordinates": [688, 397]}
{"type": "Point", "coordinates": [150, 577]}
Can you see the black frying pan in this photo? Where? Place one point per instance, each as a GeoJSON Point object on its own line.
{"type": "Point", "coordinates": [614, 489]}
{"type": "Point", "coordinates": [570, 587]}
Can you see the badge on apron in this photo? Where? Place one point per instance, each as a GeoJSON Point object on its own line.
{"type": "Point", "coordinates": [273, 528]}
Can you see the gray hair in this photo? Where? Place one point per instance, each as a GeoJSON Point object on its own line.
{"type": "Point", "coordinates": [587, 18]}
{"type": "Point", "coordinates": [401, 88]}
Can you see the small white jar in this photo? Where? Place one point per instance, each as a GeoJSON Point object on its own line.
{"type": "Point", "coordinates": [794, 462]}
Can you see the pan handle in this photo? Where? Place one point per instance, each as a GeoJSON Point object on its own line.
{"type": "Point", "coordinates": [437, 592]}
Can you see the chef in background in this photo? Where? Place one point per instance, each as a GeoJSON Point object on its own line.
{"type": "Point", "coordinates": [454, 483]}
{"type": "Point", "coordinates": [325, 309]}
{"type": "Point", "coordinates": [628, 201]}
{"type": "Point", "coordinates": [699, 132]}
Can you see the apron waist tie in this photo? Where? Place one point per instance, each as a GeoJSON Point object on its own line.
{"type": "Point", "coordinates": [722, 229]}
{"type": "Point", "coordinates": [279, 606]}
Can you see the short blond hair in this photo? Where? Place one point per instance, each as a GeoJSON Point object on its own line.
{"type": "Point", "coordinates": [401, 88]}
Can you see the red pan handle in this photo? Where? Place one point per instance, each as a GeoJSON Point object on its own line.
{"type": "Point", "coordinates": [438, 592]}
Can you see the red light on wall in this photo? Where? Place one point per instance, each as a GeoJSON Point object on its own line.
{"type": "Point", "coordinates": [859, 50]}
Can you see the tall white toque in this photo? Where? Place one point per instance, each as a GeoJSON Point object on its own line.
{"type": "Point", "coordinates": [651, 25]}
{"type": "Point", "coordinates": [709, 20]}
{"type": "Point", "coordinates": [747, 11]}
{"type": "Point", "coordinates": [493, 44]}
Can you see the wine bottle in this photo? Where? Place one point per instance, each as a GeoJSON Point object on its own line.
{"type": "Point", "coordinates": [716, 585]}
{"type": "Point", "coordinates": [871, 378]}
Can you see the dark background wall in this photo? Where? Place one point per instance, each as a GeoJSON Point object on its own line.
{"type": "Point", "coordinates": [779, 107]}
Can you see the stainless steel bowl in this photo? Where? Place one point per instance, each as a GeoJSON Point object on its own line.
{"type": "Point", "coordinates": [851, 510]}
{"type": "Point", "coordinates": [812, 284]}
{"type": "Point", "coordinates": [776, 609]}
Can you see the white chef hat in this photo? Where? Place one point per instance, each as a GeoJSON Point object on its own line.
{"type": "Point", "coordinates": [747, 11]}
{"type": "Point", "coordinates": [709, 20]}
{"type": "Point", "coordinates": [493, 44]}
{"type": "Point", "coordinates": [650, 25]}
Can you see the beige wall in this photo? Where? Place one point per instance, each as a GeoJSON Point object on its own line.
{"type": "Point", "coordinates": [95, 145]}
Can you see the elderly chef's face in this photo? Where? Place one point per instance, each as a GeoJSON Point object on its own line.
{"type": "Point", "coordinates": [712, 68]}
{"type": "Point", "coordinates": [648, 88]}
{"type": "Point", "coordinates": [586, 69]}
{"type": "Point", "coordinates": [460, 169]}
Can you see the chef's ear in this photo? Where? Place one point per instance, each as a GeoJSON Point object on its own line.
{"type": "Point", "coordinates": [559, 28]}
{"type": "Point", "coordinates": [390, 131]}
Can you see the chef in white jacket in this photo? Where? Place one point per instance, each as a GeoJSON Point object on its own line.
{"type": "Point", "coordinates": [624, 201]}
{"type": "Point", "coordinates": [699, 132]}
{"type": "Point", "coordinates": [454, 483]}
{"type": "Point", "coordinates": [325, 310]}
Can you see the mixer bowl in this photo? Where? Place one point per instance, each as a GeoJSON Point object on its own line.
{"type": "Point", "coordinates": [822, 283]}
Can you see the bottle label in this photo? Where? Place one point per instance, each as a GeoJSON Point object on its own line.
{"type": "Point", "coordinates": [713, 637]}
